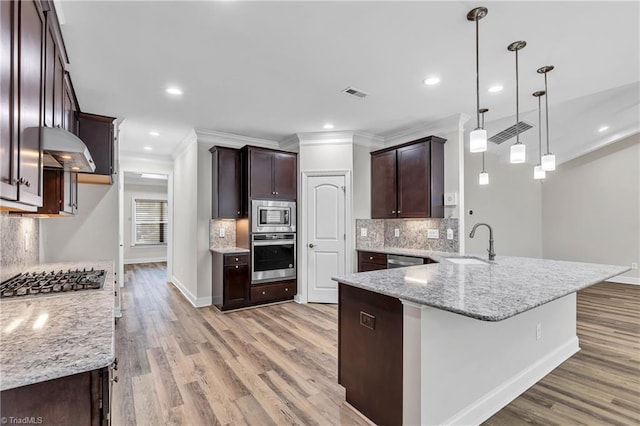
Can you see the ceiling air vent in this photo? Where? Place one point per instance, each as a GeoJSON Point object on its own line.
{"type": "Point", "coordinates": [355, 92]}
{"type": "Point", "coordinates": [510, 132]}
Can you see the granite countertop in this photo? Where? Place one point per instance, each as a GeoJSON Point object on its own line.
{"type": "Point", "coordinates": [77, 334]}
{"type": "Point", "coordinates": [229, 250]}
{"type": "Point", "coordinates": [491, 291]}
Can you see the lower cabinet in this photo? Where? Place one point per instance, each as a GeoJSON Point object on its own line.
{"type": "Point", "coordinates": [81, 399]}
{"type": "Point", "coordinates": [371, 261]}
{"type": "Point", "coordinates": [273, 292]}
{"type": "Point", "coordinates": [235, 281]}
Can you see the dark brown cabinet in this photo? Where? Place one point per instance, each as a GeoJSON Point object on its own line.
{"type": "Point", "coordinates": [81, 399]}
{"type": "Point", "coordinates": [60, 192]}
{"type": "Point", "coordinates": [371, 261]}
{"type": "Point", "coordinates": [407, 181]}
{"type": "Point", "coordinates": [231, 280]}
{"type": "Point", "coordinates": [272, 174]}
{"type": "Point", "coordinates": [70, 107]}
{"type": "Point", "coordinates": [226, 186]}
{"type": "Point", "coordinates": [273, 292]}
{"type": "Point", "coordinates": [8, 143]}
{"type": "Point", "coordinates": [97, 132]}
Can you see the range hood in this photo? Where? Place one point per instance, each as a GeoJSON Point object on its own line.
{"type": "Point", "coordinates": [63, 149]}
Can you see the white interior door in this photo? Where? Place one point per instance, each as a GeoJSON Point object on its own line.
{"type": "Point", "coordinates": [326, 242]}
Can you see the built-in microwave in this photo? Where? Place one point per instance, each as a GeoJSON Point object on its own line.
{"type": "Point", "coordinates": [273, 216]}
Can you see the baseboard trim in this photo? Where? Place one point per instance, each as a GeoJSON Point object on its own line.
{"type": "Point", "coordinates": [499, 397]}
{"type": "Point", "coordinates": [624, 280]}
{"type": "Point", "coordinates": [196, 302]}
{"type": "Point", "coordinates": [145, 260]}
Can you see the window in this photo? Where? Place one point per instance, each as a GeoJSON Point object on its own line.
{"type": "Point", "coordinates": [150, 222]}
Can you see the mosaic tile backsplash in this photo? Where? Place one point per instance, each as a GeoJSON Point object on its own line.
{"type": "Point", "coordinates": [412, 234]}
{"type": "Point", "coordinates": [17, 251]}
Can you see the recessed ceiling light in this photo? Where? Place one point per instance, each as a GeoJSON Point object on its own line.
{"type": "Point", "coordinates": [65, 157]}
{"type": "Point", "coordinates": [431, 81]}
{"type": "Point", "coordinates": [328, 126]}
{"type": "Point", "coordinates": [75, 168]}
{"type": "Point", "coordinates": [154, 133]}
{"type": "Point", "coordinates": [174, 91]}
{"type": "Point", "coordinates": [495, 89]}
{"type": "Point", "coordinates": [603, 129]}
{"type": "Point", "coordinates": [148, 148]}
{"type": "Point", "coordinates": [154, 176]}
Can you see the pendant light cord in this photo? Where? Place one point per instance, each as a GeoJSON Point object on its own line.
{"type": "Point", "coordinates": [517, 103]}
{"type": "Point", "coordinates": [540, 126]}
{"type": "Point", "coordinates": [483, 171]}
{"type": "Point", "coordinates": [546, 103]}
{"type": "Point", "coordinates": [478, 72]}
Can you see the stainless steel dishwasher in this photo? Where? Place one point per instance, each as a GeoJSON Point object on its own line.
{"type": "Point", "coordinates": [397, 261]}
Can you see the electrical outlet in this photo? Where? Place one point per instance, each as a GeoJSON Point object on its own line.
{"type": "Point", "coordinates": [449, 234]}
{"type": "Point", "coordinates": [433, 233]}
{"type": "Point", "coordinates": [634, 265]}
{"type": "Point", "coordinates": [363, 232]}
{"type": "Point", "coordinates": [538, 331]}
{"type": "Point", "coordinates": [221, 232]}
{"type": "Point", "coordinates": [396, 232]}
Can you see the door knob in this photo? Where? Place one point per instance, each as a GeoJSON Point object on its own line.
{"type": "Point", "coordinates": [311, 245]}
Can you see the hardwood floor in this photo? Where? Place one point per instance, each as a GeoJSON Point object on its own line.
{"type": "Point", "coordinates": [277, 365]}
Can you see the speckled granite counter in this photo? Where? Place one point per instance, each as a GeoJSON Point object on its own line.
{"type": "Point", "coordinates": [229, 250]}
{"type": "Point", "coordinates": [492, 291]}
{"type": "Point", "coordinates": [77, 334]}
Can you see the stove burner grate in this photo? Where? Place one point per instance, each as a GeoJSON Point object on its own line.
{"type": "Point", "coordinates": [39, 283]}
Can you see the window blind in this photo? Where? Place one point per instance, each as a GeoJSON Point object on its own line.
{"type": "Point", "coordinates": [150, 222]}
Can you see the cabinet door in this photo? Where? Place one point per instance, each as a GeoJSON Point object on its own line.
{"type": "Point", "coordinates": [383, 185]}
{"type": "Point", "coordinates": [50, 58]}
{"type": "Point", "coordinates": [285, 176]}
{"type": "Point", "coordinates": [58, 91]}
{"type": "Point", "coordinates": [8, 143]}
{"type": "Point", "coordinates": [69, 107]}
{"type": "Point", "coordinates": [261, 174]}
{"type": "Point", "coordinates": [30, 97]}
{"type": "Point", "coordinates": [69, 181]}
{"type": "Point", "coordinates": [52, 186]}
{"type": "Point", "coordinates": [226, 184]}
{"type": "Point", "coordinates": [96, 132]}
{"type": "Point", "coordinates": [236, 285]}
{"type": "Point", "coordinates": [414, 190]}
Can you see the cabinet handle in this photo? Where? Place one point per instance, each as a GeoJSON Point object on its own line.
{"type": "Point", "coordinates": [115, 363]}
{"type": "Point", "coordinates": [115, 379]}
{"type": "Point", "coordinates": [27, 184]}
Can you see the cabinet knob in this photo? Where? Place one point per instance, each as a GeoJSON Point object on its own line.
{"type": "Point", "coordinates": [264, 292]}
{"type": "Point", "coordinates": [238, 213]}
{"type": "Point", "coordinates": [370, 257]}
{"type": "Point", "coordinates": [237, 266]}
{"type": "Point", "coordinates": [393, 211]}
{"type": "Point", "coordinates": [115, 379]}
{"type": "Point", "coordinates": [236, 259]}
{"type": "Point", "coordinates": [286, 289]}
{"type": "Point", "coordinates": [276, 192]}
{"type": "Point", "coordinates": [399, 212]}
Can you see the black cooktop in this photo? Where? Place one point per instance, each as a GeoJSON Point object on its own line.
{"type": "Point", "coordinates": [40, 283]}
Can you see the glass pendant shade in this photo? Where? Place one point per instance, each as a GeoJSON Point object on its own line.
{"type": "Point", "coordinates": [483, 179]}
{"type": "Point", "coordinates": [478, 140]}
{"type": "Point", "coordinates": [518, 153]}
{"type": "Point", "coordinates": [548, 162]}
{"type": "Point", "coordinates": [538, 173]}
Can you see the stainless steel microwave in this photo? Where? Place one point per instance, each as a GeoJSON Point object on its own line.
{"type": "Point", "coordinates": [273, 216]}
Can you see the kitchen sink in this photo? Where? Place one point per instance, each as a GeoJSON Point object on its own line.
{"type": "Point", "coordinates": [466, 260]}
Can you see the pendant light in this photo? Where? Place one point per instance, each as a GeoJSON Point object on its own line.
{"type": "Point", "coordinates": [518, 150]}
{"type": "Point", "coordinates": [538, 172]}
{"type": "Point", "coordinates": [548, 159]}
{"type": "Point", "coordinates": [478, 137]}
{"type": "Point", "coordinates": [483, 178]}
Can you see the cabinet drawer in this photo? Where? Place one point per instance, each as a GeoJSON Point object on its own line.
{"type": "Point", "coordinates": [277, 291]}
{"type": "Point", "coordinates": [370, 257]}
{"type": "Point", "coordinates": [236, 259]}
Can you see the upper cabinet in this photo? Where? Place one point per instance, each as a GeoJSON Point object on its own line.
{"type": "Point", "coordinates": [98, 133]}
{"type": "Point", "coordinates": [21, 76]}
{"type": "Point", "coordinates": [226, 185]}
{"type": "Point", "coordinates": [407, 181]}
{"type": "Point", "coordinates": [60, 193]}
{"type": "Point", "coordinates": [272, 174]}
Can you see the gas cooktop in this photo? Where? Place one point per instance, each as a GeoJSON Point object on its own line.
{"type": "Point", "coordinates": [40, 283]}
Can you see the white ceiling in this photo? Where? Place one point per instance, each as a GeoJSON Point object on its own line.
{"type": "Point", "coordinates": [271, 69]}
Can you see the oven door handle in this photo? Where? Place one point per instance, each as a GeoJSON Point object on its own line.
{"type": "Point", "coordinates": [274, 243]}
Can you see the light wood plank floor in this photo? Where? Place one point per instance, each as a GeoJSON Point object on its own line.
{"type": "Point", "coordinates": [277, 365]}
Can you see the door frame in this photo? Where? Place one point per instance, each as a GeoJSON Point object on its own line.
{"type": "Point", "coordinates": [303, 293]}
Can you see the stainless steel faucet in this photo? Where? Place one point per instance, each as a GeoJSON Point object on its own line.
{"type": "Point", "coordinates": [492, 254]}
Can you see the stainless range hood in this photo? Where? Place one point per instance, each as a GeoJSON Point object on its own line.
{"type": "Point", "coordinates": [63, 149]}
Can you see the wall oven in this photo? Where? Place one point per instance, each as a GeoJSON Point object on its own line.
{"type": "Point", "coordinates": [273, 216]}
{"type": "Point", "coordinates": [273, 257]}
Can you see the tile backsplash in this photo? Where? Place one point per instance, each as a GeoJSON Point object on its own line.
{"type": "Point", "coordinates": [229, 239]}
{"type": "Point", "coordinates": [19, 244]}
{"type": "Point", "coordinates": [412, 234]}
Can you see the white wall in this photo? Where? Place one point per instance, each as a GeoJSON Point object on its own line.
{"type": "Point", "coordinates": [141, 254]}
{"type": "Point", "coordinates": [591, 207]}
{"type": "Point", "coordinates": [185, 216]}
{"type": "Point", "coordinates": [92, 234]}
{"type": "Point", "coordinates": [203, 218]}
{"type": "Point", "coordinates": [511, 204]}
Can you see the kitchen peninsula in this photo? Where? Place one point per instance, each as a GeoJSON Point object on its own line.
{"type": "Point", "coordinates": [455, 341]}
{"type": "Point", "coordinates": [56, 352]}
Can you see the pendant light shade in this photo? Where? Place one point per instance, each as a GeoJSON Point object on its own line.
{"type": "Point", "coordinates": [478, 137]}
{"type": "Point", "coordinates": [483, 178]}
{"type": "Point", "coordinates": [548, 159]}
{"type": "Point", "coordinates": [478, 140]}
{"type": "Point", "coordinates": [518, 153]}
{"type": "Point", "coordinates": [538, 173]}
{"type": "Point", "coordinates": [518, 150]}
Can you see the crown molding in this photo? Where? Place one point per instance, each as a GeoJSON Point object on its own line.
{"type": "Point", "coordinates": [231, 140]}
{"type": "Point", "coordinates": [452, 123]}
{"type": "Point", "coordinates": [290, 143]}
{"type": "Point", "coordinates": [368, 140]}
{"type": "Point", "coordinates": [186, 141]}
